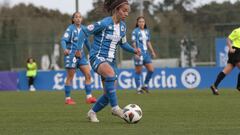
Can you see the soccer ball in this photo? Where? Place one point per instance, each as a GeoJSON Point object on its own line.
{"type": "Point", "coordinates": [132, 113]}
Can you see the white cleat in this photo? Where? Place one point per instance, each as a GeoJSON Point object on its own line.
{"type": "Point", "coordinates": [92, 116]}
{"type": "Point", "coordinates": [32, 88]}
{"type": "Point", "coordinates": [118, 112]}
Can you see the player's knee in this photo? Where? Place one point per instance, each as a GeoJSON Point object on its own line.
{"type": "Point", "coordinates": [88, 77]}
{"type": "Point", "coordinates": [68, 81]}
{"type": "Point", "coordinates": [110, 78]}
{"type": "Point", "coordinates": [151, 70]}
{"type": "Point", "coordinates": [138, 71]}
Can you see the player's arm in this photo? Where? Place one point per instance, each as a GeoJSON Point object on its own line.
{"type": "Point", "coordinates": [87, 43]}
{"type": "Point", "coordinates": [134, 39]}
{"type": "Point", "coordinates": [65, 39]}
{"type": "Point", "coordinates": [31, 66]}
{"type": "Point", "coordinates": [127, 47]}
{"type": "Point", "coordinates": [94, 28]}
{"type": "Point", "coordinates": [81, 41]}
{"type": "Point", "coordinates": [230, 38]}
{"type": "Point", "coordinates": [149, 44]}
{"type": "Point", "coordinates": [229, 44]}
{"type": "Point", "coordinates": [151, 49]}
{"type": "Point", "coordinates": [134, 42]}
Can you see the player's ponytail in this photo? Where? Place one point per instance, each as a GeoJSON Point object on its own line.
{"type": "Point", "coordinates": [73, 17]}
{"type": "Point", "coordinates": [141, 17]}
{"type": "Point", "coordinates": [111, 5]}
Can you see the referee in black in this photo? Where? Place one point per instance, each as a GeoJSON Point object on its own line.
{"type": "Point", "coordinates": [233, 43]}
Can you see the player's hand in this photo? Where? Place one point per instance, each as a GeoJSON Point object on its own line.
{"type": "Point", "coordinates": [78, 54]}
{"type": "Point", "coordinates": [137, 57]}
{"type": "Point", "coordinates": [66, 52]}
{"type": "Point", "coordinates": [138, 52]}
{"type": "Point", "coordinates": [232, 50]}
{"type": "Point", "coordinates": [154, 54]}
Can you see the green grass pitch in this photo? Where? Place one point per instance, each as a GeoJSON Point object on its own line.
{"type": "Point", "coordinates": [165, 112]}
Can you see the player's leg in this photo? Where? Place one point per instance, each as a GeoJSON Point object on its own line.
{"type": "Point", "coordinates": [147, 61]}
{"type": "Point", "coordinates": [220, 77]}
{"type": "Point", "coordinates": [238, 80]}
{"type": "Point", "coordinates": [68, 86]}
{"type": "Point", "coordinates": [30, 83]}
{"type": "Point", "coordinates": [231, 63]}
{"type": "Point", "coordinates": [137, 76]}
{"type": "Point", "coordinates": [150, 70]}
{"type": "Point", "coordinates": [106, 72]}
{"type": "Point", "coordinates": [88, 84]}
{"type": "Point", "coordinates": [138, 62]}
{"type": "Point", "coordinates": [70, 62]}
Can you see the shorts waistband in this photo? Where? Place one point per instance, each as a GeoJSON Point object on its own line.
{"type": "Point", "coordinates": [234, 47]}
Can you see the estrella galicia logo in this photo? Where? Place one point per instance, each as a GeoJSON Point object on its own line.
{"type": "Point", "coordinates": [191, 78]}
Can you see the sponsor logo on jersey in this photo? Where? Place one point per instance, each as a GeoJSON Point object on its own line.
{"type": "Point", "coordinates": [113, 37]}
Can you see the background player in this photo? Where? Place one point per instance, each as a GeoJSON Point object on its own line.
{"type": "Point", "coordinates": [141, 39]}
{"type": "Point", "coordinates": [75, 57]}
{"type": "Point", "coordinates": [108, 33]}
{"type": "Point", "coordinates": [31, 73]}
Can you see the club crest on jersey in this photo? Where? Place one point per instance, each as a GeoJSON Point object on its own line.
{"type": "Point", "coordinates": [110, 27]}
{"type": "Point", "coordinates": [66, 35]}
{"type": "Point", "coordinates": [122, 28]}
{"type": "Point", "coordinates": [90, 27]}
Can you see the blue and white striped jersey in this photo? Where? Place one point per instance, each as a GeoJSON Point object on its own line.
{"type": "Point", "coordinates": [141, 38]}
{"type": "Point", "coordinates": [74, 39]}
{"type": "Point", "coordinates": [107, 36]}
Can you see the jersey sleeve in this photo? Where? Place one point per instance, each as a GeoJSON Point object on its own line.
{"type": "Point", "coordinates": [81, 40]}
{"type": "Point", "coordinates": [125, 45]}
{"type": "Point", "coordinates": [149, 36]}
{"type": "Point", "coordinates": [95, 28]}
{"type": "Point", "coordinates": [87, 43]}
{"type": "Point", "coordinates": [234, 35]}
{"type": "Point", "coordinates": [134, 36]}
{"type": "Point", "coordinates": [66, 38]}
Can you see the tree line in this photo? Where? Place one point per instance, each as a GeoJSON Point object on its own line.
{"type": "Point", "coordinates": [28, 30]}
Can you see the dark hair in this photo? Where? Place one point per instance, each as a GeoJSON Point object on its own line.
{"type": "Point", "coordinates": [111, 5]}
{"type": "Point", "coordinates": [73, 17]}
{"type": "Point", "coordinates": [141, 17]}
{"type": "Point", "coordinates": [28, 60]}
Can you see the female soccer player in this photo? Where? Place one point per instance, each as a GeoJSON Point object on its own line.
{"type": "Point", "coordinates": [233, 43]}
{"type": "Point", "coordinates": [108, 33]}
{"type": "Point", "coordinates": [75, 57]}
{"type": "Point", "coordinates": [141, 39]}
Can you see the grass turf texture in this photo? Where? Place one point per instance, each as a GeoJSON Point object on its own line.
{"type": "Point", "coordinates": [164, 112]}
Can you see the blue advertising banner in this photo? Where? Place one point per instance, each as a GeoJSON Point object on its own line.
{"type": "Point", "coordinates": [8, 80]}
{"type": "Point", "coordinates": [221, 52]}
{"type": "Point", "coordinates": [163, 78]}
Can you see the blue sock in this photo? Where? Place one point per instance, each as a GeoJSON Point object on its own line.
{"type": "Point", "coordinates": [88, 89]}
{"type": "Point", "coordinates": [68, 90]}
{"type": "Point", "coordinates": [148, 77]}
{"type": "Point", "coordinates": [111, 91]}
{"type": "Point", "coordinates": [137, 79]}
{"type": "Point", "coordinates": [101, 103]}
